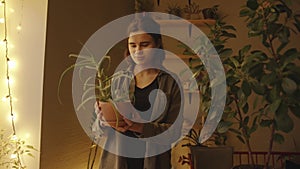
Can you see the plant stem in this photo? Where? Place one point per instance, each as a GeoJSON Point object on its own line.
{"type": "Point", "coordinates": [245, 134]}
{"type": "Point", "coordinates": [270, 146]}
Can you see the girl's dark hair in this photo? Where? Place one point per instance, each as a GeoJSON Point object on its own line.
{"type": "Point", "coordinates": [144, 22]}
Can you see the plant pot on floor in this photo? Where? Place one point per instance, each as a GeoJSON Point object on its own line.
{"type": "Point", "coordinates": [212, 157]}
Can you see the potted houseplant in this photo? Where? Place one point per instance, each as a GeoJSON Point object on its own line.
{"type": "Point", "coordinates": [102, 86]}
{"type": "Point", "coordinates": [271, 77]}
{"type": "Point", "coordinates": [210, 13]}
{"type": "Point", "coordinates": [275, 73]}
{"type": "Point", "coordinates": [219, 34]}
{"type": "Point", "coordinates": [174, 9]}
{"type": "Point", "coordinates": [192, 11]}
{"type": "Point", "coordinates": [144, 5]}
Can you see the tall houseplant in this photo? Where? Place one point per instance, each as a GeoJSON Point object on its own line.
{"type": "Point", "coordinates": [275, 70]}
{"type": "Point", "coordinates": [219, 34]}
{"type": "Point", "coordinates": [271, 75]}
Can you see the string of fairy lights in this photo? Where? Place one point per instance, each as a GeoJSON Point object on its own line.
{"type": "Point", "coordinates": [9, 64]}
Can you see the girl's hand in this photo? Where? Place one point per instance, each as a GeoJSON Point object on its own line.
{"type": "Point", "coordinates": [134, 126]}
{"type": "Point", "coordinates": [99, 114]}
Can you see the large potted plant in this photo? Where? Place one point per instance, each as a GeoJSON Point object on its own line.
{"type": "Point", "coordinates": [275, 71]}
{"type": "Point", "coordinates": [271, 76]}
{"type": "Point", "coordinates": [101, 86]}
{"type": "Point", "coordinates": [219, 34]}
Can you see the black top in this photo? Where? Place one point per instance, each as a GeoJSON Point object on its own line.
{"type": "Point", "coordinates": [142, 103]}
{"type": "Point", "coordinates": [142, 100]}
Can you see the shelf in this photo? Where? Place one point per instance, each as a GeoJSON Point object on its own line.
{"type": "Point", "coordinates": [175, 22]}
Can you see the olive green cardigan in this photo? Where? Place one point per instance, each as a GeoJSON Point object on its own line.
{"type": "Point", "coordinates": [173, 105]}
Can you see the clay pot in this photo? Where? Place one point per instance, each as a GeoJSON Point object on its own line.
{"type": "Point", "coordinates": [125, 108]}
{"type": "Point", "coordinates": [111, 115]}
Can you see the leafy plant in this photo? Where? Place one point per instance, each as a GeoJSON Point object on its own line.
{"type": "Point", "coordinates": [174, 9]}
{"type": "Point", "coordinates": [144, 5]}
{"type": "Point", "coordinates": [274, 70]}
{"type": "Point", "coordinates": [210, 13]}
{"type": "Point", "coordinates": [192, 8]}
{"type": "Point", "coordinates": [12, 149]}
{"type": "Point", "coordinates": [102, 84]}
{"type": "Point", "coordinates": [219, 34]}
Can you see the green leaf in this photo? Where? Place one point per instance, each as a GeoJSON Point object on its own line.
{"type": "Point", "coordinates": [274, 94]}
{"type": "Point", "coordinates": [272, 108]}
{"type": "Point", "coordinates": [244, 50]}
{"type": "Point", "coordinates": [253, 33]}
{"type": "Point", "coordinates": [235, 131]}
{"type": "Point", "coordinates": [246, 120]}
{"type": "Point", "coordinates": [228, 35]}
{"type": "Point", "coordinates": [252, 4]}
{"type": "Point", "coordinates": [257, 70]}
{"type": "Point", "coordinates": [230, 27]}
{"type": "Point", "coordinates": [288, 85]}
{"type": "Point", "coordinates": [225, 53]}
{"type": "Point", "coordinates": [278, 138]}
{"type": "Point", "coordinates": [245, 12]}
{"type": "Point", "coordinates": [269, 79]}
{"type": "Point", "coordinates": [235, 62]}
{"type": "Point", "coordinates": [295, 110]}
{"type": "Point", "coordinates": [283, 120]}
{"type": "Point", "coordinates": [265, 123]}
{"type": "Point", "coordinates": [241, 139]}
{"type": "Point", "coordinates": [246, 108]}
{"type": "Point", "coordinates": [257, 88]}
{"type": "Point", "coordinates": [281, 46]}
{"type": "Point", "coordinates": [223, 126]}
{"type": "Point", "coordinates": [273, 17]}
{"type": "Point", "coordinates": [284, 35]}
{"type": "Point", "coordinates": [246, 88]}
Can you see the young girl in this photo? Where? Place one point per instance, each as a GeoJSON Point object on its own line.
{"type": "Point", "coordinates": [145, 55]}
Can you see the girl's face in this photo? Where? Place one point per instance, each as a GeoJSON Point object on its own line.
{"type": "Point", "coordinates": [140, 45]}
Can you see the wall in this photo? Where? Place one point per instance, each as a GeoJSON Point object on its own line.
{"type": "Point", "coordinates": [64, 144]}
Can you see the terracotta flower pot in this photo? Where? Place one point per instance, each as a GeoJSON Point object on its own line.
{"type": "Point", "coordinates": [125, 108]}
{"type": "Point", "coordinates": [111, 115]}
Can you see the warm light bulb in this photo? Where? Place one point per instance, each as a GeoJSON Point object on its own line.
{"type": "Point", "coordinates": [2, 43]}
{"type": "Point", "coordinates": [27, 135]}
{"type": "Point", "coordinates": [14, 138]}
{"type": "Point", "coordinates": [11, 64]}
{"type": "Point", "coordinates": [11, 10]}
{"type": "Point", "coordinates": [12, 117]}
{"type": "Point", "coordinates": [13, 156]}
{"type": "Point", "coordinates": [19, 27]}
{"type": "Point", "coordinates": [10, 81]}
{"type": "Point", "coordinates": [4, 99]}
{"type": "Point", "coordinates": [2, 20]}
